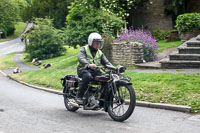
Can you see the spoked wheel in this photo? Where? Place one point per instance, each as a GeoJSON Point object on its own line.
{"type": "Point", "coordinates": [122, 104]}
{"type": "Point", "coordinates": [67, 100]}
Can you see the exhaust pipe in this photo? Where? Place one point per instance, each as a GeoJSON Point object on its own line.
{"type": "Point", "coordinates": [73, 104]}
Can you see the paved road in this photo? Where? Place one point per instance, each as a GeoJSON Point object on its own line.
{"type": "Point", "coordinates": [11, 46]}
{"type": "Point", "coordinates": [26, 110]}
{"type": "Point", "coordinates": [23, 109]}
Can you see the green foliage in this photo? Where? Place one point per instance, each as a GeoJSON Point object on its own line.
{"type": "Point", "coordinates": [19, 28]}
{"type": "Point", "coordinates": [9, 14]}
{"type": "Point", "coordinates": [22, 5]}
{"type": "Point", "coordinates": [175, 8]}
{"type": "Point", "coordinates": [55, 9]}
{"type": "Point", "coordinates": [82, 20]}
{"type": "Point", "coordinates": [121, 7]}
{"type": "Point", "coordinates": [188, 22]}
{"type": "Point", "coordinates": [44, 40]}
{"type": "Point", "coordinates": [160, 34]}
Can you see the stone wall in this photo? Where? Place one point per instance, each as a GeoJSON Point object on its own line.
{"type": "Point", "coordinates": [151, 16]}
{"type": "Point", "coordinates": [127, 54]}
{"type": "Point", "coordinates": [194, 6]}
{"type": "Point", "coordinates": [185, 36]}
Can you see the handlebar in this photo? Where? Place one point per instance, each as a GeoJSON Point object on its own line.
{"type": "Point", "coordinates": [118, 69]}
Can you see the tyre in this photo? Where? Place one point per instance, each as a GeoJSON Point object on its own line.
{"type": "Point", "coordinates": [67, 100]}
{"type": "Point", "coordinates": [122, 104]}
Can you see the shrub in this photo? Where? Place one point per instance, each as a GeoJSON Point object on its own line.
{"type": "Point", "coordinates": [149, 43]}
{"type": "Point", "coordinates": [9, 14]}
{"type": "Point", "coordinates": [81, 21]}
{"type": "Point", "coordinates": [160, 34]}
{"type": "Point", "coordinates": [44, 40]}
{"type": "Point", "coordinates": [188, 22]}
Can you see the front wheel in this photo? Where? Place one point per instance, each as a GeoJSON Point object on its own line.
{"type": "Point", "coordinates": [122, 104]}
{"type": "Point", "coordinates": [67, 100]}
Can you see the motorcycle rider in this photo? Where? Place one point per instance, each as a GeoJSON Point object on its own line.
{"type": "Point", "coordinates": [89, 57]}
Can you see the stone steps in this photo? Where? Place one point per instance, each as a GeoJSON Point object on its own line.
{"type": "Point", "coordinates": [193, 44]}
{"type": "Point", "coordinates": [190, 57]}
{"type": "Point", "coordinates": [187, 56]}
{"type": "Point", "coordinates": [178, 64]}
{"type": "Point", "coordinates": [189, 50]}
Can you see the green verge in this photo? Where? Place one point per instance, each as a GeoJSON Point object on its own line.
{"type": "Point", "coordinates": [44, 78]}
{"type": "Point", "coordinates": [180, 89]}
{"type": "Point", "coordinates": [67, 60]}
{"type": "Point", "coordinates": [6, 61]}
{"type": "Point", "coordinates": [70, 59]}
{"type": "Point", "coordinates": [163, 44]}
{"type": "Point", "coordinates": [20, 27]}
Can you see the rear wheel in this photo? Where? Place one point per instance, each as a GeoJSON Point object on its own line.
{"type": "Point", "coordinates": [67, 100]}
{"type": "Point", "coordinates": [122, 104]}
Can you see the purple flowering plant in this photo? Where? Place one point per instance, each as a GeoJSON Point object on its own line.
{"type": "Point", "coordinates": [149, 43]}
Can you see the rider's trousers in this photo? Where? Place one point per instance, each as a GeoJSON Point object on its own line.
{"type": "Point", "coordinates": [86, 78]}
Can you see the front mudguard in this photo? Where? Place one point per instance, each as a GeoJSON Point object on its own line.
{"type": "Point", "coordinates": [122, 82]}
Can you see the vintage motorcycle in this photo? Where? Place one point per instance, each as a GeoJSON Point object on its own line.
{"type": "Point", "coordinates": [111, 92]}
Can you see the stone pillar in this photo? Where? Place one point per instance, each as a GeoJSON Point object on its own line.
{"type": "Point", "coordinates": [127, 54]}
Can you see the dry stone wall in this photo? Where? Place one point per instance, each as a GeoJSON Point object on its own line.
{"type": "Point", "coordinates": [127, 54]}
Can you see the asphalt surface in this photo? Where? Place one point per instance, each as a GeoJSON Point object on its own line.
{"type": "Point", "coordinates": [11, 46]}
{"type": "Point", "coordinates": [23, 109]}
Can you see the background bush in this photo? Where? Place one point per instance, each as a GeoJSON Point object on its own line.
{"type": "Point", "coordinates": [9, 14]}
{"type": "Point", "coordinates": [160, 34]}
{"type": "Point", "coordinates": [188, 22]}
{"type": "Point", "coordinates": [44, 40]}
{"type": "Point", "coordinates": [81, 21]}
{"type": "Point", "coordinates": [149, 43]}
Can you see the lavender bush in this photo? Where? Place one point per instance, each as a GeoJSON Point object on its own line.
{"type": "Point", "coordinates": [149, 43]}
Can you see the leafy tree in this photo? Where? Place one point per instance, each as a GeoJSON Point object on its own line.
{"type": "Point", "coordinates": [175, 8]}
{"type": "Point", "coordinates": [22, 4]}
{"type": "Point", "coordinates": [84, 18]}
{"type": "Point", "coordinates": [55, 9]}
{"type": "Point", "coordinates": [9, 14]}
{"type": "Point", "coordinates": [121, 8]}
{"type": "Point", "coordinates": [44, 40]}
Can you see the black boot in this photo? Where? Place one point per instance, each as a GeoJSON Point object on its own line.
{"type": "Point", "coordinates": [80, 93]}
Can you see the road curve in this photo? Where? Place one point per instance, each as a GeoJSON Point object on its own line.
{"type": "Point", "coordinates": [24, 109]}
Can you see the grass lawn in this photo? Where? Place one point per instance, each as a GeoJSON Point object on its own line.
{"type": "Point", "coordinates": [7, 61]}
{"type": "Point", "coordinates": [68, 60]}
{"type": "Point", "coordinates": [181, 89]}
{"type": "Point", "coordinates": [20, 26]}
{"type": "Point", "coordinates": [163, 44]}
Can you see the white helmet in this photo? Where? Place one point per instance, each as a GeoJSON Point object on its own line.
{"type": "Point", "coordinates": [97, 37]}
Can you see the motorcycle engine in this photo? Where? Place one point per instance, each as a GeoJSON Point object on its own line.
{"type": "Point", "coordinates": [92, 101]}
